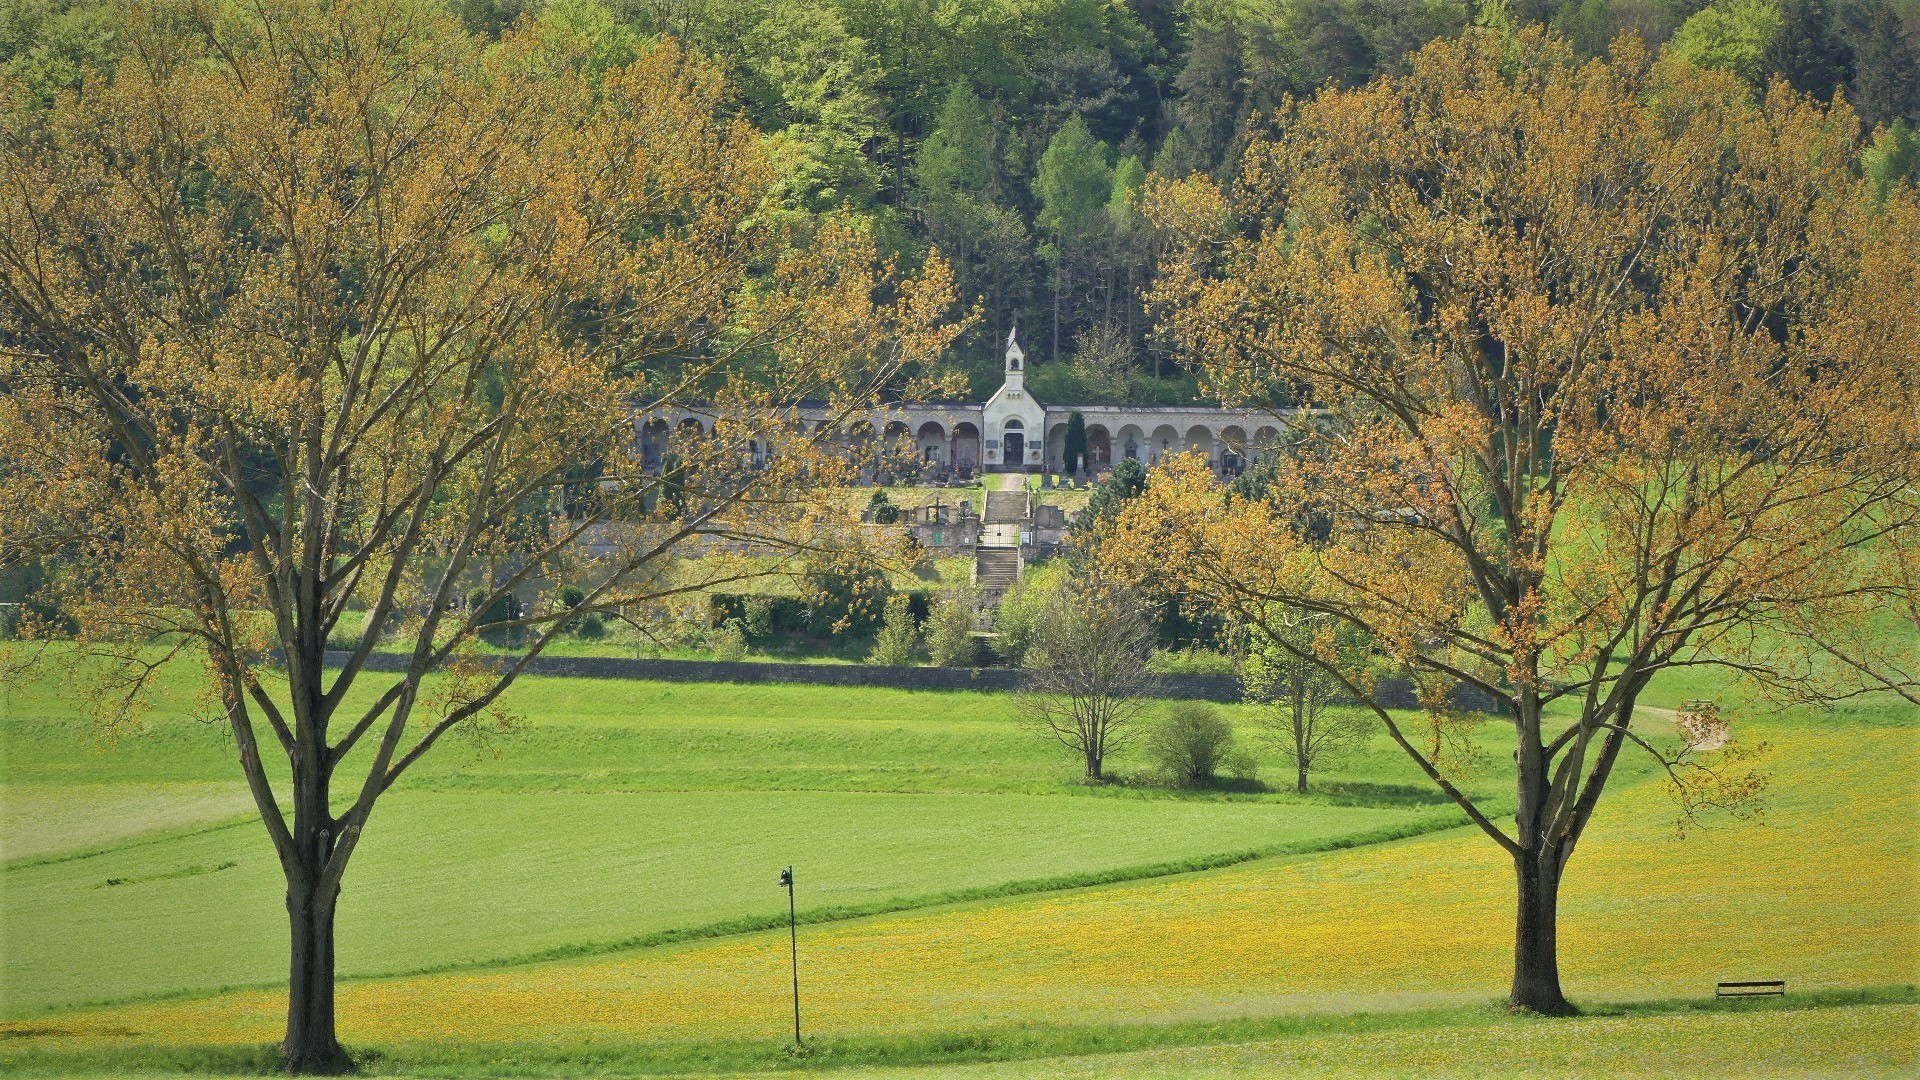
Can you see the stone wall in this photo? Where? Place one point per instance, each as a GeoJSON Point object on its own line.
{"type": "Point", "coordinates": [1221, 688]}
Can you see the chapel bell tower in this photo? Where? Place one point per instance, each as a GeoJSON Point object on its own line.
{"type": "Point", "coordinates": [1016, 361]}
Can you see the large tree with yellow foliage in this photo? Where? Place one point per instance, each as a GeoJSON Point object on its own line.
{"type": "Point", "coordinates": [322, 306]}
{"type": "Point", "coordinates": [1612, 369]}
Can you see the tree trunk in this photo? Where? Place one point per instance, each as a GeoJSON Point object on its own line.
{"type": "Point", "coordinates": [1301, 786]}
{"type": "Point", "coordinates": [311, 1046]}
{"type": "Point", "coordinates": [1536, 960]}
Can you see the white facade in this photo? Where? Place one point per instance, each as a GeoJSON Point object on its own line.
{"type": "Point", "coordinates": [1012, 432]}
{"type": "Point", "coordinates": [1014, 423]}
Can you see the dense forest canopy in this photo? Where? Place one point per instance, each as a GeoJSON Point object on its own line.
{"type": "Point", "coordinates": [1014, 135]}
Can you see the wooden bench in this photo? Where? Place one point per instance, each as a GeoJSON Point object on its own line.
{"type": "Point", "coordinates": [1760, 988]}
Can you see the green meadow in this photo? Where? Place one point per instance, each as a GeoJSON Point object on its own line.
{"type": "Point", "coordinates": [595, 892]}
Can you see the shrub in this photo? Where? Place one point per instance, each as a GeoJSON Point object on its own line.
{"type": "Point", "coordinates": [756, 617]}
{"type": "Point", "coordinates": [569, 596]}
{"type": "Point", "coordinates": [590, 628]}
{"type": "Point", "coordinates": [1192, 661]}
{"type": "Point", "coordinates": [762, 616]}
{"type": "Point", "coordinates": [1191, 742]}
{"type": "Point", "coordinates": [730, 642]}
{"type": "Point", "coordinates": [846, 594]}
{"type": "Point", "coordinates": [1017, 620]}
{"type": "Point", "coordinates": [899, 638]}
{"type": "Point", "coordinates": [950, 640]}
{"type": "Point", "coordinates": [503, 608]}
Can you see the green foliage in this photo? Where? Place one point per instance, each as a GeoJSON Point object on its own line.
{"type": "Point", "coordinates": [1073, 383]}
{"type": "Point", "coordinates": [1894, 156]}
{"type": "Point", "coordinates": [1731, 34]}
{"type": "Point", "coordinates": [757, 617]}
{"type": "Point", "coordinates": [808, 78]}
{"type": "Point", "coordinates": [881, 510]}
{"type": "Point", "coordinates": [1017, 621]}
{"type": "Point", "coordinates": [609, 42]}
{"type": "Point", "coordinates": [1075, 450]}
{"type": "Point", "coordinates": [760, 616]}
{"type": "Point", "coordinates": [504, 608]}
{"type": "Point", "coordinates": [950, 641]}
{"type": "Point", "coordinates": [1885, 53]}
{"type": "Point", "coordinates": [730, 642]}
{"type": "Point", "coordinates": [1807, 50]}
{"type": "Point", "coordinates": [898, 642]}
{"type": "Point", "coordinates": [30, 604]}
{"type": "Point", "coordinates": [569, 596]}
{"type": "Point", "coordinates": [1073, 184]}
{"type": "Point", "coordinates": [1127, 480]}
{"type": "Point", "coordinates": [844, 596]}
{"type": "Point", "coordinates": [955, 162]}
{"type": "Point", "coordinates": [47, 44]}
{"type": "Point", "coordinates": [1190, 742]}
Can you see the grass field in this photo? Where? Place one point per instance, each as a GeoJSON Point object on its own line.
{"type": "Point", "coordinates": [599, 894]}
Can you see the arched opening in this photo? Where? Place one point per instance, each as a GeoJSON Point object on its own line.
{"type": "Point", "coordinates": [1099, 447]}
{"type": "Point", "coordinates": [1200, 440]}
{"type": "Point", "coordinates": [930, 444]}
{"type": "Point", "coordinates": [654, 437]}
{"type": "Point", "coordinates": [1056, 456]}
{"type": "Point", "coordinates": [1132, 443]}
{"type": "Point", "coordinates": [1013, 443]}
{"type": "Point", "coordinates": [1164, 443]}
{"type": "Point", "coordinates": [896, 448]}
{"type": "Point", "coordinates": [685, 434]}
{"type": "Point", "coordinates": [1233, 450]}
{"type": "Point", "coordinates": [966, 446]}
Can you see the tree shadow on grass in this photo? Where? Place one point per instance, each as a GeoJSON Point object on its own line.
{"type": "Point", "coordinates": [1366, 793]}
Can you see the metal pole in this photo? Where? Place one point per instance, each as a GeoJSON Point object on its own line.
{"type": "Point", "coordinates": [793, 934]}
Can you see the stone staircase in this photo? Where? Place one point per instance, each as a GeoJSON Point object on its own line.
{"type": "Point", "coordinates": [1005, 508]}
{"type": "Point", "coordinates": [996, 569]}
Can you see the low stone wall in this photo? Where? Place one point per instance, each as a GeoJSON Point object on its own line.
{"type": "Point", "coordinates": [1221, 688]}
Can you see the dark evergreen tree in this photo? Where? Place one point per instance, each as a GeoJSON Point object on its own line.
{"type": "Point", "coordinates": [1808, 50]}
{"type": "Point", "coordinates": [1075, 450]}
{"type": "Point", "coordinates": [1886, 63]}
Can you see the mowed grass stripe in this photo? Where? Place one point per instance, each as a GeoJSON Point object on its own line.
{"type": "Point", "coordinates": [1859, 1042]}
{"type": "Point", "coordinates": [617, 735]}
{"type": "Point", "coordinates": [1411, 924]}
{"type": "Point", "coordinates": [49, 821]}
{"type": "Point", "coordinates": [456, 879]}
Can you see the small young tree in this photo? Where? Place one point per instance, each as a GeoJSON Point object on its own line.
{"type": "Point", "coordinates": [1191, 742]}
{"type": "Point", "coordinates": [1127, 481]}
{"type": "Point", "coordinates": [1088, 680]}
{"type": "Point", "coordinates": [730, 642]}
{"type": "Point", "coordinates": [1295, 694]}
{"type": "Point", "coordinates": [756, 617]}
{"type": "Point", "coordinates": [1016, 622]}
{"type": "Point", "coordinates": [899, 638]}
{"type": "Point", "coordinates": [846, 590]}
{"type": "Point", "coordinates": [880, 509]}
{"type": "Point", "coordinates": [949, 629]}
